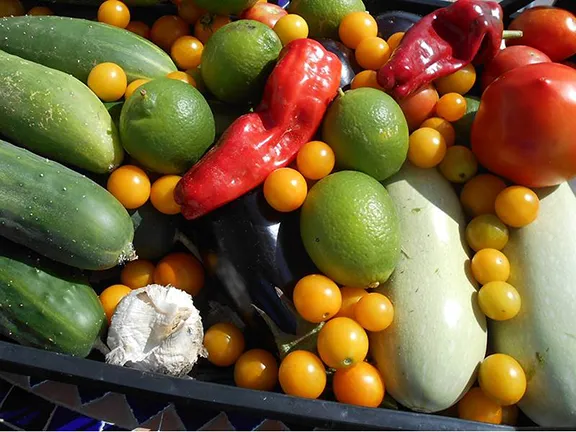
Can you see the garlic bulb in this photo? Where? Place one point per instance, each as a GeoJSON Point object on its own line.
{"type": "Point", "coordinates": [156, 329]}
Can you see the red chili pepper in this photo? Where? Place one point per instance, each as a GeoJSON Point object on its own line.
{"type": "Point", "coordinates": [441, 43]}
{"type": "Point", "coordinates": [305, 80]}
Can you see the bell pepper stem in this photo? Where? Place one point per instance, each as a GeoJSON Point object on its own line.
{"type": "Point", "coordinates": [512, 34]}
{"type": "Point", "coordinates": [340, 92]}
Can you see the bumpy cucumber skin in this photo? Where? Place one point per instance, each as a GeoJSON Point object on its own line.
{"type": "Point", "coordinates": [75, 46]}
{"type": "Point", "coordinates": [61, 214]}
{"type": "Point", "coordinates": [55, 115]}
{"type": "Point", "coordinates": [44, 305]}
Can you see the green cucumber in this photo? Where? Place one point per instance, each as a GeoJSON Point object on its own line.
{"type": "Point", "coordinates": [46, 305]}
{"type": "Point", "coordinates": [60, 213]}
{"type": "Point", "coordinates": [154, 233]}
{"type": "Point", "coordinates": [53, 114]}
{"type": "Point", "coordinates": [75, 46]}
{"type": "Point", "coordinates": [139, 3]}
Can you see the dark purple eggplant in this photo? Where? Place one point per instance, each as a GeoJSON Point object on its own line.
{"type": "Point", "coordinates": [346, 56]}
{"type": "Point", "coordinates": [395, 21]}
{"type": "Point", "coordinates": [250, 250]}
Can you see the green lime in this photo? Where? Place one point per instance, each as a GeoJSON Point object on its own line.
{"type": "Point", "coordinates": [350, 229]}
{"type": "Point", "coordinates": [167, 126]}
{"type": "Point", "coordinates": [324, 16]}
{"type": "Point", "coordinates": [237, 60]}
{"type": "Point", "coordinates": [368, 132]}
{"type": "Point", "coordinates": [463, 127]}
{"type": "Point", "coordinates": [225, 7]}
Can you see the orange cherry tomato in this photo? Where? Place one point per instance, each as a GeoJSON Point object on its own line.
{"type": "Point", "coordinates": [285, 189]}
{"type": "Point", "coordinates": [291, 27]}
{"type": "Point", "coordinates": [40, 11]}
{"type": "Point", "coordinates": [137, 274]}
{"type": "Point", "coordinates": [302, 374]}
{"type": "Point", "coordinates": [459, 164]}
{"type": "Point", "coordinates": [499, 301]}
{"type": "Point", "coordinates": [11, 8]}
{"type": "Point", "coordinates": [360, 384]}
{"type": "Point", "coordinates": [374, 312]}
{"type": "Point", "coordinates": [444, 127]}
{"type": "Point", "coordinates": [487, 231]}
{"type": "Point", "coordinates": [394, 40]}
{"type": "Point", "coordinates": [366, 78]}
{"type": "Point", "coordinates": [350, 296]}
{"type": "Point", "coordinates": [490, 265]}
{"type": "Point", "coordinates": [162, 194]}
{"type": "Point", "coordinates": [182, 76]}
{"type": "Point", "coordinates": [108, 81]}
{"type": "Point", "coordinates": [355, 27]}
{"type": "Point", "coordinates": [257, 370]}
{"type": "Point", "coordinates": [140, 28]}
{"type": "Point", "coordinates": [187, 52]}
{"type": "Point", "coordinates": [502, 379]}
{"type": "Point", "coordinates": [451, 106]}
{"type": "Point", "coordinates": [419, 106]}
{"type": "Point", "coordinates": [372, 53]}
{"type": "Point", "coordinates": [317, 298]}
{"type": "Point", "coordinates": [224, 343]}
{"type": "Point", "coordinates": [130, 185]}
{"type": "Point", "coordinates": [315, 160]}
{"type": "Point", "coordinates": [110, 298]}
{"type": "Point", "coordinates": [460, 82]}
{"type": "Point", "coordinates": [133, 86]}
{"type": "Point", "coordinates": [426, 148]}
{"type": "Point", "coordinates": [476, 406]}
{"type": "Point", "coordinates": [517, 206]}
{"type": "Point", "coordinates": [181, 270]}
{"type": "Point", "coordinates": [208, 24]}
{"type": "Point", "coordinates": [189, 12]}
{"type": "Point", "coordinates": [167, 29]}
{"type": "Point", "coordinates": [342, 342]}
{"type": "Point", "coordinates": [479, 194]}
{"type": "Point", "coordinates": [115, 13]}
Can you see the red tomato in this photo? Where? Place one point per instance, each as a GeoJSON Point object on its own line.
{"type": "Point", "coordinates": [524, 129]}
{"type": "Point", "coordinates": [511, 58]}
{"type": "Point", "coordinates": [551, 30]}
{"type": "Point", "coordinates": [266, 13]}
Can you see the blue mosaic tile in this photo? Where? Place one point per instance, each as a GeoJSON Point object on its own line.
{"type": "Point", "coordinates": [89, 394]}
{"type": "Point", "coordinates": [5, 388]}
{"type": "Point", "coordinates": [26, 411]}
{"type": "Point", "coordinates": [243, 422]}
{"type": "Point", "coordinates": [144, 409]}
{"type": "Point", "coordinates": [193, 417]}
{"type": "Point", "coordinates": [36, 381]}
{"type": "Point", "coordinates": [67, 420]}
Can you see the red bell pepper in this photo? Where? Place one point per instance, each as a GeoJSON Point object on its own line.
{"type": "Point", "coordinates": [298, 91]}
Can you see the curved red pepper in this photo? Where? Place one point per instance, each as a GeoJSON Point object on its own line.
{"type": "Point", "coordinates": [441, 43]}
{"type": "Point", "coordinates": [305, 80]}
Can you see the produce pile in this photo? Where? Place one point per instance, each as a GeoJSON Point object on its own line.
{"type": "Point", "coordinates": [302, 197]}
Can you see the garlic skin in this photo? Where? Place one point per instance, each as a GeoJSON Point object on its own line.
{"type": "Point", "coordinates": [156, 329]}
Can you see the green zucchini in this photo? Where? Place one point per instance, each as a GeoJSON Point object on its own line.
{"type": "Point", "coordinates": [60, 213]}
{"type": "Point", "coordinates": [53, 114]}
{"type": "Point", "coordinates": [46, 305]}
{"type": "Point", "coordinates": [75, 46]}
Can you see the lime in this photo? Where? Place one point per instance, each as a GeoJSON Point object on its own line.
{"type": "Point", "coordinates": [324, 16]}
{"type": "Point", "coordinates": [463, 127]}
{"type": "Point", "coordinates": [225, 7]}
{"type": "Point", "coordinates": [350, 229]}
{"type": "Point", "coordinates": [237, 60]}
{"type": "Point", "coordinates": [368, 132]}
{"type": "Point", "coordinates": [166, 125]}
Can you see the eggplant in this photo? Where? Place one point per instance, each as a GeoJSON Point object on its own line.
{"type": "Point", "coordinates": [394, 22]}
{"type": "Point", "coordinates": [250, 250]}
{"type": "Point", "coordinates": [346, 56]}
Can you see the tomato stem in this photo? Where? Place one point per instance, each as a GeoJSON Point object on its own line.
{"type": "Point", "coordinates": [512, 34]}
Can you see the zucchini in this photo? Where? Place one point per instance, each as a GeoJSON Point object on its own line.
{"type": "Point", "coordinates": [430, 354]}
{"type": "Point", "coordinates": [46, 305]}
{"type": "Point", "coordinates": [75, 46]}
{"type": "Point", "coordinates": [53, 114]}
{"type": "Point", "coordinates": [60, 213]}
{"type": "Point", "coordinates": [542, 337]}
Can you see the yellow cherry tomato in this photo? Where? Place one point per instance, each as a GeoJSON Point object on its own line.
{"type": "Point", "coordinates": [479, 194]}
{"type": "Point", "coordinates": [355, 27]}
{"type": "Point", "coordinates": [366, 78]}
{"type": "Point", "coordinates": [208, 24]}
{"type": "Point", "coordinates": [187, 52]}
{"type": "Point", "coordinates": [489, 265]}
{"type": "Point", "coordinates": [342, 342]}
{"type": "Point", "coordinates": [137, 274]}
{"type": "Point", "coordinates": [189, 12]}
{"type": "Point", "coordinates": [372, 53]}
{"type": "Point", "coordinates": [115, 13]}
{"type": "Point", "coordinates": [476, 406]}
{"type": "Point", "coordinates": [451, 106]}
{"type": "Point", "coordinates": [374, 312]}
{"type": "Point", "coordinates": [182, 76]}
{"type": "Point", "coordinates": [427, 148]}
{"type": "Point", "coordinates": [291, 27]}
{"type": "Point", "coordinates": [315, 160]}
{"type": "Point", "coordinates": [316, 298]}
{"type": "Point", "coordinates": [350, 297]}
{"type": "Point", "coordinates": [517, 206]}
{"type": "Point", "coordinates": [11, 8]}
{"type": "Point", "coordinates": [394, 40]}
{"type": "Point", "coordinates": [40, 11]}
{"type": "Point", "coordinates": [257, 370]}
{"type": "Point", "coordinates": [459, 164]}
{"type": "Point", "coordinates": [460, 82]}
{"type": "Point", "coordinates": [302, 374]}
{"type": "Point", "coordinates": [133, 86]}
{"type": "Point", "coordinates": [162, 194]}
{"type": "Point", "coordinates": [181, 270]}
{"type": "Point", "coordinates": [130, 185]}
{"type": "Point", "coordinates": [285, 189]}
{"type": "Point", "coordinates": [224, 343]}
{"type": "Point", "coordinates": [499, 301]}
{"type": "Point", "coordinates": [444, 127]}
{"type": "Point", "coordinates": [360, 384]}
{"type": "Point", "coordinates": [486, 231]}
{"type": "Point", "coordinates": [167, 29]}
{"type": "Point", "coordinates": [108, 81]}
{"type": "Point", "coordinates": [502, 378]}
{"type": "Point", "coordinates": [140, 28]}
{"type": "Point", "coordinates": [110, 298]}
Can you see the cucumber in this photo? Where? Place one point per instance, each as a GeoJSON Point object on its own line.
{"type": "Point", "coordinates": [430, 354]}
{"type": "Point", "coordinates": [75, 46]}
{"type": "Point", "coordinates": [542, 337]}
{"type": "Point", "coordinates": [46, 305]}
{"type": "Point", "coordinates": [138, 3]}
{"type": "Point", "coordinates": [53, 114]}
{"type": "Point", "coordinates": [61, 214]}
{"type": "Point", "coordinates": [154, 233]}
